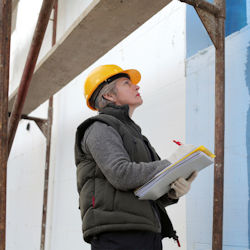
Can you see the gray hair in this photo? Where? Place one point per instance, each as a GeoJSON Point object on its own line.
{"type": "Point", "coordinates": [100, 101]}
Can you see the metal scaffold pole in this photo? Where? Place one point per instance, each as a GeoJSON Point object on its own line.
{"type": "Point", "coordinates": [5, 35]}
{"type": "Point", "coordinates": [219, 128]}
{"type": "Point", "coordinates": [213, 17]}
{"type": "Point", "coordinates": [48, 146]}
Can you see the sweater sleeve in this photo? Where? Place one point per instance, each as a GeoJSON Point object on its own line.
{"type": "Point", "coordinates": [106, 147]}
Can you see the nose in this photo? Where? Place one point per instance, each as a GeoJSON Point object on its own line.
{"type": "Point", "coordinates": [137, 87]}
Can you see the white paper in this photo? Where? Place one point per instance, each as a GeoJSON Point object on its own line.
{"type": "Point", "coordinates": [160, 184]}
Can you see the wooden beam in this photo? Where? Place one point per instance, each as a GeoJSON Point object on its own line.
{"type": "Point", "coordinates": [100, 27]}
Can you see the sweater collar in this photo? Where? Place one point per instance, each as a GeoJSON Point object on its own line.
{"type": "Point", "coordinates": [121, 113]}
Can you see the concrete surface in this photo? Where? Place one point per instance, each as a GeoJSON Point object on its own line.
{"type": "Point", "coordinates": [102, 25]}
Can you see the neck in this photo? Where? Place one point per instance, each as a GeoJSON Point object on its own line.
{"type": "Point", "coordinates": [131, 111]}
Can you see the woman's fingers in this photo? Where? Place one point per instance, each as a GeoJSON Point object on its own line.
{"type": "Point", "coordinates": [192, 176]}
{"type": "Point", "coordinates": [181, 183]}
{"type": "Point", "coordinates": [182, 186]}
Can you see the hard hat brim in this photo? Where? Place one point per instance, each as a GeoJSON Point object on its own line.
{"type": "Point", "coordinates": [135, 75]}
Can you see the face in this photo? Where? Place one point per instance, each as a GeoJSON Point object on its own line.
{"type": "Point", "coordinates": [126, 93]}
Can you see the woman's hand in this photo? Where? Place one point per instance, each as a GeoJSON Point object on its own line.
{"type": "Point", "coordinates": [181, 186]}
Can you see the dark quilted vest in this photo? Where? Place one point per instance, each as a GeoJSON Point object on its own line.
{"type": "Point", "coordinates": [104, 208]}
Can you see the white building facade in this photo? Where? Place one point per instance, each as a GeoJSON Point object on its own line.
{"type": "Point", "coordinates": [178, 93]}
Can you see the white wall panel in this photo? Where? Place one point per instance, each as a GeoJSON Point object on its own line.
{"type": "Point", "coordinates": [157, 49]}
{"type": "Point", "coordinates": [200, 129]}
{"type": "Point", "coordinates": [25, 188]}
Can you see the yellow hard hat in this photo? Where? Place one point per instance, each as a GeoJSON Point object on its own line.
{"type": "Point", "coordinates": [101, 74]}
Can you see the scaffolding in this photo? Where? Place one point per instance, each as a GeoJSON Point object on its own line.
{"type": "Point", "coordinates": [212, 16]}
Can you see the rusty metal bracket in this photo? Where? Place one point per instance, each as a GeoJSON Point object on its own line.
{"type": "Point", "coordinates": [41, 123]}
{"type": "Point", "coordinates": [210, 23]}
{"type": "Point", "coordinates": [204, 5]}
{"type": "Point", "coordinates": [208, 13]}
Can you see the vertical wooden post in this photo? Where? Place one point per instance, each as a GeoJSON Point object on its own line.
{"type": "Point", "coordinates": [5, 35]}
{"type": "Point", "coordinates": [219, 128]}
{"type": "Point", "coordinates": [48, 143]}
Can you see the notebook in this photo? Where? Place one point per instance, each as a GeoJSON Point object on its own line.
{"type": "Point", "coordinates": [196, 160]}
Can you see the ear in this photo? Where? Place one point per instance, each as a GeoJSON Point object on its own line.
{"type": "Point", "coordinates": [110, 97]}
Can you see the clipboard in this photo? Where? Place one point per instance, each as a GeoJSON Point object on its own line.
{"type": "Point", "coordinates": [196, 160]}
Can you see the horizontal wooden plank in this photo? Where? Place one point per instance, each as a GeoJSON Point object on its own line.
{"type": "Point", "coordinates": [100, 27]}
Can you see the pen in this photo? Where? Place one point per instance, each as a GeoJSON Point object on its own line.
{"type": "Point", "coordinates": [177, 142]}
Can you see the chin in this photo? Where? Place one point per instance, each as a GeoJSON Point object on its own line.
{"type": "Point", "coordinates": [139, 103]}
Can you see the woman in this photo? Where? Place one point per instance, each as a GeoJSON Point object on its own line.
{"type": "Point", "coordinates": [113, 158]}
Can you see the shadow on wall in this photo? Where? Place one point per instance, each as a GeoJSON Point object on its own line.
{"type": "Point", "coordinates": [248, 138]}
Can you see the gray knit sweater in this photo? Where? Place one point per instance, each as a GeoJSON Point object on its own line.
{"type": "Point", "coordinates": [106, 146]}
